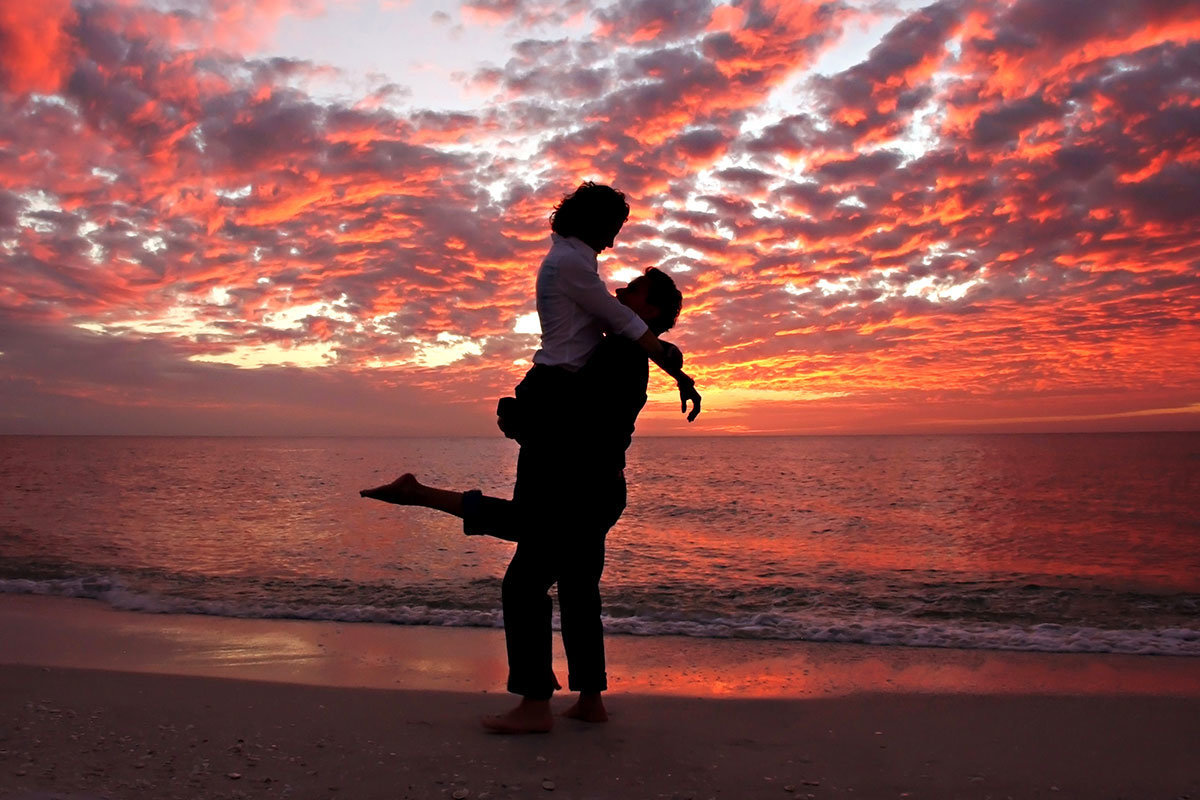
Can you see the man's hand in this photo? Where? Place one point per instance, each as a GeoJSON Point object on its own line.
{"type": "Point", "coordinates": [672, 363]}
{"type": "Point", "coordinates": [687, 391]}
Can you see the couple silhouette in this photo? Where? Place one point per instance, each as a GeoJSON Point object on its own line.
{"type": "Point", "coordinates": [573, 415]}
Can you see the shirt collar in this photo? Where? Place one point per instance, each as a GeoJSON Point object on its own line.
{"type": "Point", "coordinates": [575, 244]}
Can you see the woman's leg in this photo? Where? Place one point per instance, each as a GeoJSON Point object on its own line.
{"type": "Point", "coordinates": [481, 514]}
{"type": "Point", "coordinates": [408, 491]}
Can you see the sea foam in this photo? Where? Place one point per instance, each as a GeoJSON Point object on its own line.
{"type": "Point", "coordinates": [878, 629]}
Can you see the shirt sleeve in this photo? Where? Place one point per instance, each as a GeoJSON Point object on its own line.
{"type": "Point", "coordinates": [583, 285]}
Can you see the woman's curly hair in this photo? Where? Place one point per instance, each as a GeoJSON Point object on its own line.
{"type": "Point", "coordinates": [590, 213]}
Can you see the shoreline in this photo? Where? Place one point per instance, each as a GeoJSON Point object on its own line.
{"type": "Point", "coordinates": [97, 703]}
{"type": "Point", "coordinates": [88, 634]}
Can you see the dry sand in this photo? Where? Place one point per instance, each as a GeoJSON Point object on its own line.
{"type": "Point", "coordinates": [920, 731]}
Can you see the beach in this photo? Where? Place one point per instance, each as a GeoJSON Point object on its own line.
{"type": "Point", "coordinates": [96, 702]}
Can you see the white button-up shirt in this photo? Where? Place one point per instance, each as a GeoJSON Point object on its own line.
{"type": "Point", "coordinates": [575, 307]}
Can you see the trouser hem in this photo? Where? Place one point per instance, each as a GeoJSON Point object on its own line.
{"type": "Point", "coordinates": [528, 693]}
{"type": "Point", "coordinates": [588, 686]}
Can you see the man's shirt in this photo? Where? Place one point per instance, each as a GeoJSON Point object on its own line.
{"type": "Point", "coordinates": [575, 308]}
{"type": "Point", "coordinates": [615, 378]}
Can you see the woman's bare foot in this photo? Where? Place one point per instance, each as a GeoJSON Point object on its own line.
{"type": "Point", "coordinates": [589, 708]}
{"type": "Point", "coordinates": [530, 716]}
{"type": "Point", "coordinates": [404, 491]}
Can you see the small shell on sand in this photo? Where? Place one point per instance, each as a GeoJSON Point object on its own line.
{"type": "Point", "coordinates": [548, 786]}
{"type": "Point", "coordinates": [461, 794]}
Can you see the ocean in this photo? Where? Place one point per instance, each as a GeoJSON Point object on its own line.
{"type": "Point", "coordinates": [1059, 543]}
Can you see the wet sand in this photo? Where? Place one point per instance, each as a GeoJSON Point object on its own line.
{"type": "Point", "coordinates": [99, 703]}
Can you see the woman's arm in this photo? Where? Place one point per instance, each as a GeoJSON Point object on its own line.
{"type": "Point", "coordinates": [581, 283]}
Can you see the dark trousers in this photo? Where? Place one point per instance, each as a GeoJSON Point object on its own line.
{"type": "Point", "coordinates": [562, 508]}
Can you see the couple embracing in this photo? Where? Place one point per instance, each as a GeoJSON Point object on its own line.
{"type": "Point", "coordinates": [573, 415]}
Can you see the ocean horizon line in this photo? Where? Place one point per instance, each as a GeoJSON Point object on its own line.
{"type": "Point", "coordinates": [486, 437]}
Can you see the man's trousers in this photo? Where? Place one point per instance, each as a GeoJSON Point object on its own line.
{"type": "Point", "coordinates": [562, 508]}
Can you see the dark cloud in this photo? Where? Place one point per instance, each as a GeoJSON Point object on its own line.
{"type": "Point", "coordinates": [753, 180]}
{"type": "Point", "coordinates": [793, 135]}
{"type": "Point", "coordinates": [654, 20]}
{"type": "Point", "coordinates": [701, 144]}
{"type": "Point", "coordinates": [1004, 123]}
{"type": "Point", "coordinates": [862, 168]}
{"type": "Point", "coordinates": [1168, 196]}
{"type": "Point", "coordinates": [1030, 24]}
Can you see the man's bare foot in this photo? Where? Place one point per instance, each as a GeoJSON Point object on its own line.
{"type": "Point", "coordinates": [589, 708]}
{"type": "Point", "coordinates": [404, 491]}
{"type": "Point", "coordinates": [530, 716]}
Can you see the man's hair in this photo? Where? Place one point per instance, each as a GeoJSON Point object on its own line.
{"type": "Point", "coordinates": [664, 296]}
{"type": "Point", "coordinates": [589, 213]}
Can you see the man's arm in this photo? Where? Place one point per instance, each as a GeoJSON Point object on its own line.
{"type": "Point", "coordinates": [583, 285]}
{"type": "Point", "coordinates": [672, 363]}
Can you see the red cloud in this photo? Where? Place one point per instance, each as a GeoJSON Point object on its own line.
{"type": "Point", "coordinates": [990, 215]}
{"type": "Point", "coordinates": [35, 45]}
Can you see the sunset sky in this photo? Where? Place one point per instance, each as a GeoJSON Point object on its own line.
{"type": "Point", "coordinates": [325, 216]}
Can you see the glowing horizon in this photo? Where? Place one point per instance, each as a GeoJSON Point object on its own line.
{"type": "Point", "coordinates": [324, 216]}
